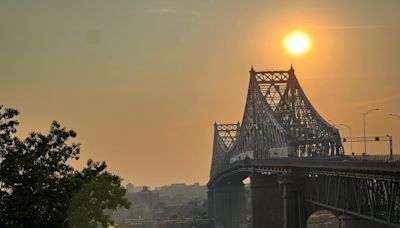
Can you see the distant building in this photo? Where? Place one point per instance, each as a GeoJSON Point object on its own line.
{"type": "Point", "coordinates": [175, 201]}
{"type": "Point", "coordinates": [188, 191]}
{"type": "Point", "coordinates": [120, 216]}
{"type": "Point", "coordinates": [142, 203]}
{"type": "Point", "coordinates": [130, 188]}
{"type": "Point", "coordinates": [138, 188]}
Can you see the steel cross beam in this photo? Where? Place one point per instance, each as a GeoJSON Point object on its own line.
{"type": "Point", "coordinates": [367, 196]}
{"type": "Point", "coordinates": [387, 138]}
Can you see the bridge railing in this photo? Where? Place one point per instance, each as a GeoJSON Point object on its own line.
{"type": "Point", "coordinates": [343, 163]}
{"type": "Point", "coordinates": [375, 157]}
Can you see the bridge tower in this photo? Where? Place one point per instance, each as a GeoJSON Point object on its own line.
{"type": "Point", "coordinates": [296, 164]}
{"type": "Point", "coordinates": [278, 121]}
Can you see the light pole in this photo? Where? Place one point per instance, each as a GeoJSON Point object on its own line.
{"type": "Point", "coordinates": [351, 140]}
{"type": "Point", "coordinates": [341, 129]}
{"type": "Point", "coordinates": [391, 143]}
{"type": "Point", "coordinates": [364, 115]}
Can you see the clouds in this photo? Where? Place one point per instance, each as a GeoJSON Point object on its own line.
{"type": "Point", "coordinates": [170, 11]}
{"type": "Point", "coordinates": [159, 11]}
{"type": "Point", "coordinates": [155, 69]}
{"type": "Point", "coordinates": [352, 27]}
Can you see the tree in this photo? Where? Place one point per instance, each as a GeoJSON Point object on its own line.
{"type": "Point", "coordinates": [38, 188]}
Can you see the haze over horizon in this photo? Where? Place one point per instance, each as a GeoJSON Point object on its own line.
{"type": "Point", "coordinates": [142, 82]}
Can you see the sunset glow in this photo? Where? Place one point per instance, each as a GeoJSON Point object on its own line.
{"type": "Point", "coordinates": [142, 82]}
{"type": "Point", "coordinates": [297, 43]}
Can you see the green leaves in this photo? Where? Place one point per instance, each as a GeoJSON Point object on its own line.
{"type": "Point", "coordinates": [38, 188]}
{"type": "Point", "coordinates": [99, 190]}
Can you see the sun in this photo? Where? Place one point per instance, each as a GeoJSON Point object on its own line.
{"type": "Point", "coordinates": [297, 43]}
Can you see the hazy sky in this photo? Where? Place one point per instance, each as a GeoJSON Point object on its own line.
{"type": "Point", "coordinates": [142, 81]}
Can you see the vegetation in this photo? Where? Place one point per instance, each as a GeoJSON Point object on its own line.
{"type": "Point", "coordinates": [38, 188]}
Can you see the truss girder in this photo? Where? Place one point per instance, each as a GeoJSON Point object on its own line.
{"type": "Point", "coordinates": [225, 137]}
{"type": "Point", "coordinates": [260, 130]}
{"type": "Point", "coordinates": [228, 135]}
{"type": "Point", "coordinates": [308, 132]}
{"type": "Point", "coordinates": [277, 114]}
{"type": "Point", "coordinates": [370, 196]}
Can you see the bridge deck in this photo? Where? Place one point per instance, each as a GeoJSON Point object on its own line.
{"type": "Point", "coordinates": [342, 164]}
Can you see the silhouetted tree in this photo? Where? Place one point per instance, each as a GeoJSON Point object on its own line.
{"type": "Point", "coordinates": [38, 188]}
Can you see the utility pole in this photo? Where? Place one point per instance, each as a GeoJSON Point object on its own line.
{"type": "Point", "coordinates": [351, 135]}
{"type": "Point", "coordinates": [391, 147]}
{"type": "Point", "coordinates": [391, 139]}
{"type": "Point", "coordinates": [365, 141]}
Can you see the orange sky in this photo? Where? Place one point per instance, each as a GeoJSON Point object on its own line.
{"type": "Point", "coordinates": [142, 82]}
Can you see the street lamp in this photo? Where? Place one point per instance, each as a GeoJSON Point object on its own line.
{"type": "Point", "coordinates": [351, 139]}
{"type": "Point", "coordinates": [397, 116]}
{"type": "Point", "coordinates": [341, 129]}
{"type": "Point", "coordinates": [364, 115]}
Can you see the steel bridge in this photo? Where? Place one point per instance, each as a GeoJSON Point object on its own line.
{"type": "Point", "coordinates": [296, 163]}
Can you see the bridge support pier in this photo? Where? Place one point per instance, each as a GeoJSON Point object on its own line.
{"type": "Point", "coordinates": [349, 221]}
{"type": "Point", "coordinates": [274, 202]}
{"type": "Point", "coordinates": [229, 207]}
{"type": "Point", "coordinates": [210, 201]}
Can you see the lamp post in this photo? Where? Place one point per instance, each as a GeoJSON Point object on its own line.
{"type": "Point", "coordinates": [391, 144]}
{"type": "Point", "coordinates": [364, 115]}
{"type": "Point", "coordinates": [351, 140]}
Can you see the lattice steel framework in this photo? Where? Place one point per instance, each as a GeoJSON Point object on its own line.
{"type": "Point", "coordinates": [228, 134]}
{"type": "Point", "coordinates": [225, 137]}
{"type": "Point", "coordinates": [308, 132]}
{"type": "Point", "coordinates": [260, 130]}
{"type": "Point", "coordinates": [374, 197]}
{"type": "Point", "coordinates": [277, 115]}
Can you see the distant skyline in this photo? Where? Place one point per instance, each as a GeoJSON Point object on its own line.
{"type": "Point", "coordinates": [142, 82]}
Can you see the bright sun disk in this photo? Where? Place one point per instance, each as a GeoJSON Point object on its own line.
{"type": "Point", "coordinates": [297, 43]}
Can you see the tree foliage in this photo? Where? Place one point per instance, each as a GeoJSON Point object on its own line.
{"type": "Point", "coordinates": [38, 188]}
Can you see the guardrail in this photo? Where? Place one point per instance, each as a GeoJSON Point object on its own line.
{"type": "Point", "coordinates": [376, 157]}
{"type": "Point", "coordinates": [344, 163]}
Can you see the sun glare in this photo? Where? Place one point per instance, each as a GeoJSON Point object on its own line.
{"type": "Point", "coordinates": [297, 43]}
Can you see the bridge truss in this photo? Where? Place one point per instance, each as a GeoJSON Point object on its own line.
{"type": "Point", "coordinates": [370, 196]}
{"type": "Point", "coordinates": [278, 121]}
